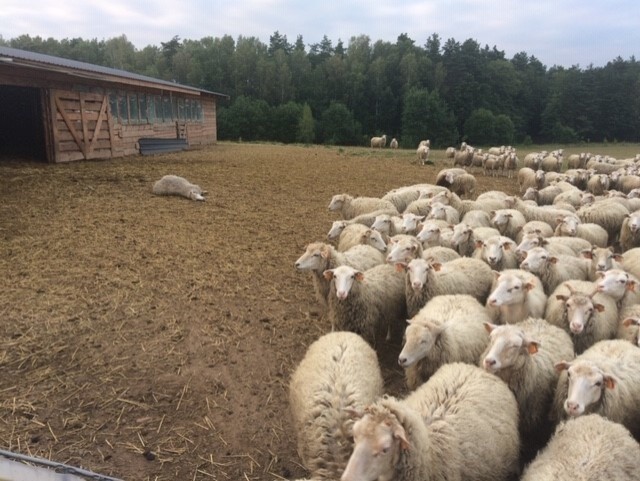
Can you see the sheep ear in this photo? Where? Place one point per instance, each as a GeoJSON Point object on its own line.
{"type": "Point", "coordinates": [553, 260]}
{"type": "Point", "coordinates": [562, 366]}
{"type": "Point", "coordinates": [630, 321]}
{"type": "Point", "coordinates": [353, 413]}
{"type": "Point", "coordinates": [400, 434]}
{"type": "Point", "coordinates": [400, 266]}
{"type": "Point", "coordinates": [618, 257]}
{"type": "Point", "coordinates": [479, 244]}
{"type": "Point", "coordinates": [359, 276]}
{"type": "Point", "coordinates": [325, 252]}
{"type": "Point", "coordinates": [586, 253]}
{"type": "Point", "coordinates": [562, 297]}
{"type": "Point", "coordinates": [436, 266]}
{"type": "Point", "coordinates": [507, 245]}
{"type": "Point", "coordinates": [529, 285]}
{"type": "Point", "coordinates": [559, 220]}
{"type": "Point", "coordinates": [609, 382]}
{"type": "Point", "coordinates": [328, 274]}
{"type": "Point", "coordinates": [489, 327]}
{"type": "Point", "coordinates": [598, 307]}
{"type": "Point", "coordinates": [532, 346]}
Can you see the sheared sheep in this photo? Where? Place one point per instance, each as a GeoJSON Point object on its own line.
{"type": "Point", "coordinates": [378, 142]}
{"type": "Point", "coordinates": [319, 257]}
{"type": "Point", "coordinates": [350, 207]}
{"type": "Point", "coordinates": [604, 379]}
{"type": "Point", "coordinates": [572, 226]}
{"type": "Point", "coordinates": [426, 279]}
{"type": "Point", "coordinates": [449, 328]}
{"type": "Point", "coordinates": [587, 448]}
{"type": "Point", "coordinates": [515, 296]}
{"type": "Point", "coordinates": [338, 373]}
{"type": "Point", "coordinates": [524, 355]}
{"type": "Point", "coordinates": [554, 270]}
{"type": "Point", "coordinates": [175, 185]}
{"type": "Point", "coordinates": [586, 314]}
{"type": "Point", "coordinates": [497, 251]}
{"type": "Point", "coordinates": [448, 429]}
{"type": "Point", "coordinates": [369, 303]}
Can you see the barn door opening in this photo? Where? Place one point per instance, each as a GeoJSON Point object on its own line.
{"type": "Point", "coordinates": [21, 123]}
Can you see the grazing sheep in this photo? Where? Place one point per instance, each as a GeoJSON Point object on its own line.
{"type": "Point", "coordinates": [369, 303]}
{"type": "Point", "coordinates": [618, 284]}
{"type": "Point", "coordinates": [524, 355]}
{"type": "Point", "coordinates": [422, 154]}
{"type": "Point", "coordinates": [378, 142]}
{"type": "Point", "coordinates": [175, 185]}
{"type": "Point", "coordinates": [515, 296]}
{"type": "Point", "coordinates": [350, 207]}
{"type": "Point", "coordinates": [448, 429]}
{"type": "Point", "coordinates": [426, 279]}
{"type": "Point", "coordinates": [572, 226]}
{"type": "Point", "coordinates": [465, 238]}
{"type": "Point", "coordinates": [508, 222]}
{"type": "Point", "coordinates": [444, 212]}
{"type": "Point", "coordinates": [587, 448]}
{"type": "Point", "coordinates": [630, 231]}
{"type": "Point", "coordinates": [602, 259]}
{"type": "Point", "coordinates": [338, 373]}
{"type": "Point", "coordinates": [586, 314]}
{"type": "Point", "coordinates": [605, 380]}
{"type": "Point", "coordinates": [319, 257]}
{"type": "Point", "coordinates": [449, 328]}
{"type": "Point", "coordinates": [528, 177]}
{"type": "Point", "coordinates": [606, 213]}
{"type": "Point", "coordinates": [554, 270]}
{"type": "Point", "coordinates": [393, 144]}
{"type": "Point", "coordinates": [497, 251]}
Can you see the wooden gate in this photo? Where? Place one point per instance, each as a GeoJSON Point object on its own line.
{"type": "Point", "coordinates": [81, 126]}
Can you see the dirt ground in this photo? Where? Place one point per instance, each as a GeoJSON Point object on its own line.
{"type": "Point", "coordinates": [152, 338]}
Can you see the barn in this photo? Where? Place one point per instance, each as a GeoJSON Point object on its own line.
{"type": "Point", "coordinates": [60, 110]}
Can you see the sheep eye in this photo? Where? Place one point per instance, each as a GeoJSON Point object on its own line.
{"type": "Point", "coordinates": [385, 450]}
{"type": "Point", "coordinates": [598, 383]}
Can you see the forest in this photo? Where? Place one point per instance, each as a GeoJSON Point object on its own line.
{"type": "Point", "coordinates": [342, 94]}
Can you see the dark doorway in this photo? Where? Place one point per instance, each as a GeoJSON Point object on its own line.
{"type": "Point", "coordinates": [21, 123]}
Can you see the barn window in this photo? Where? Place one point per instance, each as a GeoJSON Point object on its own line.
{"type": "Point", "coordinates": [151, 109]}
{"type": "Point", "coordinates": [198, 109]}
{"type": "Point", "coordinates": [181, 113]}
{"type": "Point", "coordinates": [166, 109]}
{"type": "Point", "coordinates": [174, 108]}
{"type": "Point", "coordinates": [123, 108]}
{"type": "Point", "coordinates": [133, 108]}
{"type": "Point", "coordinates": [144, 113]}
{"type": "Point", "coordinates": [113, 105]}
{"type": "Point", "coordinates": [157, 100]}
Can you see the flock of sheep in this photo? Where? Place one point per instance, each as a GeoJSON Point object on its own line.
{"type": "Point", "coordinates": [518, 317]}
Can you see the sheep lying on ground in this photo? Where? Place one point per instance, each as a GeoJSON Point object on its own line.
{"type": "Point", "coordinates": [524, 356]}
{"type": "Point", "coordinates": [369, 303]}
{"type": "Point", "coordinates": [174, 185]}
{"type": "Point", "coordinates": [572, 226]}
{"type": "Point", "coordinates": [604, 379]}
{"type": "Point", "coordinates": [449, 328]}
{"type": "Point", "coordinates": [587, 448]}
{"type": "Point", "coordinates": [515, 296]}
{"type": "Point", "coordinates": [350, 207]}
{"type": "Point", "coordinates": [586, 314]}
{"type": "Point", "coordinates": [338, 373]}
{"type": "Point", "coordinates": [553, 270]}
{"type": "Point", "coordinates": [378, 142]}
{"type": "Point", "coordinates": [426, 279]}
{"type": "Point", "coordinates": [442, 431]}
{"type": "Point", "coordinates": [319, 257]}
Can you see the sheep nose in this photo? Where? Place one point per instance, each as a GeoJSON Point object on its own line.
{"type": "Point", "coordinates": [489, 362]}
{"type": "Point", "coordinates": [342, 295]}
{"type": "Point", "coordinates": [601, 267]}
{"type": "Point", "coordinates": [492, 260]}
{"type": "Point", "coordinates": [576, 328]}
{"type": "Point", "coordinates": [416, 285]}
{"type": "Point", "coordinates": [297, 265]}
{"type": "Point", "coordinates": [572, 407]}
{"type": "Point", "coordinates": [492, 302]}
{"type": "Point", "coordinates": [402, 360]}
{"type": "Point", "coordinates": [524, 265]}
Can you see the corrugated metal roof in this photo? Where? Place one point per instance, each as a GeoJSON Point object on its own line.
{"type": "Point", "coordinates": [40, 58]}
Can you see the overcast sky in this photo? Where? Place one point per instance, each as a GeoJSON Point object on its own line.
{"type": "Point", "coordinates": [557, 32]}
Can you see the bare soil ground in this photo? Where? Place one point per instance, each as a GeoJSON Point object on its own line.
{"type": "Point", "coordinates": [152, 338]}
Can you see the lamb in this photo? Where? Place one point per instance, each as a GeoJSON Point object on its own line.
{"type": "Point", "coordinates": [607, 214]}
{"type": "Point", "coordinates": [524, 355]}
{"type": "Point", "coordinates": [393, 144]}
{"type": "Point", "coordinates": [508, 222]}
{"type": "Point", "coordinates": [378, 142]}
{"type": "Point", "coordinates": [618, 284]}
{"type": "Point", "coordinates": [553, 270]}
{"type": "Point", "coordinates": [444, 212]}
{"type": "Point", "coordinates": [338, 373]}
{"type": "Point", "coordinates": [426, 279]}
{"type": "Point", "coordinates": [498, 252]}
{"type": "Point", "coordinates": [630, 231]}
{"type": "Point", "coordinates": [175, 185]}
{"type": "Point", "coordinates": [572, 226]}
{"type": "Point", "coordinates": [528, 177]}
{"type": "Point", "coordinates": [350, 207]}
{"type": "Point", "coordinates": [449, 328]}
{"type": "Point", "coordinates": [369, 303]}
{"type": "Point", "coordinates": [589, 447]}
{"type": "Point", "coordinates": [602, 259]}
{"type": "Point", "coordinates": [319, 257]}
{"type": "Point", "coordinates": [605, 380]}
{"type": "Point", "coordinates": [464, 238]}
{"type": "Point", "coordinates": [434, 433]}
{"type": "Point", "coordinates": [515, 296]}
{"type": "Point", "coordinates": [422, 154]}
{"type": "Point", "coordinates": [587, 315]}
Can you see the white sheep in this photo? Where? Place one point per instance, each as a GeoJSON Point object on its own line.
{"type": "Point", "coordinates": [497, 251]}
{"type": "Point", "coordinates": [465, 238]}
{"type": "Point", "coordinates": [631, 261]}
{"type": "Point", "coordinates": [544, 196]}
{"type": "Point", "coordinates": [524, 355]}
{"type": "Point", "coordinates": [444, 212]}
{"type": "Point", "coordinates": [463, 185]}
{"type": "Point", "coordinates": [601, 259]}
{"type": "Point", "coordinates": [534, 159]}
{"type": "Point", "coordinates": [440, 254]}
{"type": "Point", "coordinates": [426, 143]}
{"type": "Point", "coordinates": [572, 226]}
{"type": "Point", "coordinates": [555, 245]}
{"type": "Point", "coordinates": [623, 287]}
{"type": "Point", "coordinates": [350, 207]}
{"type": "Point", "coordinates": [411, 223]}
{"type": "Point", "coordinates": [427, 279]}
{"type": "Point", "coordinates": [175, 185]}
{"type": "Point", "coordinates": [515, 296]}
{"type": "Point", "coordinates": [604, 379]}
{"type": "Point", "coordinates": [388, 224]}
{"type": "Point", "coordinates": [572, 197]}
{"type": "Point", "coordinates": [319, 257]}
{"type": "Point", "coordinates": [449, 328]}
{"type": "Point", "coordinates": [433, 234]}
{"type": "Point", "coordinates": [607, 213]}
{"type": "Point", "coordinates": [553, 270]}
{"type": "Point", "coordinates": [375, 239]}
{"type": "Point", "coordinates": [508, 222]}
{"type": "Point", "coordinates": [477, 218]}
{"type": "Point", "coordinates": [547, 213]}
{"type": "Point", "coordinates": [393, 144]}
{"type": "Point", "coordinates": [540, 229]}
{"type": "Point", "coordinates": [528, 177]}
{"type": "Point", "coordinates": [630, 231]}
{"type": "Point", "coordinates": [347, 235]}
{"type": "Point", "coordinates": [448, 429]}
{"type": "Point", "coordinates": [422, 154]}
{"type": "Point", "coordinates": [402, 196]}
{"type": "Point", "coordinates": [450, 152]}
{"type": "Point", "coordinates": [598, 184]}
{"type": "Point", "coordinates": [368, 218]}
{"type": "Point", "coordinates": [338, 373]}
{"type": "Point", "coordinates": [369, 303]}
{"type": "Point", "coordinates": [587, 448]}
{"type": "Point", "coordinates": [510, 164]}
{"type": "Point", "coordinates": [403, 248]}
{"type": "Point", "coordinates": [378, 142]}
{"type": "Point", "coordinates": [586, 314]}
{"type": "Point", "coordinates": [629, 325]}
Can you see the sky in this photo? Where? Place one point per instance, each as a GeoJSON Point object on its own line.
{"type": "Point", "coordinates": [557, 32]}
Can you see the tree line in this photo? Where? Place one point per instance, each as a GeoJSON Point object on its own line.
{"type": "Point", "coordinates": [343, 94]}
